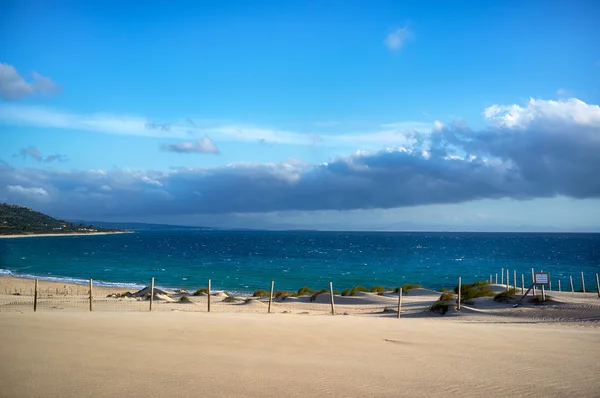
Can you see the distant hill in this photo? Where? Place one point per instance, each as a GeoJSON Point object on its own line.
{"type": "Point", "coordinates": [137, 226]}
{"type": "Point", "coordinates": [18, 220]}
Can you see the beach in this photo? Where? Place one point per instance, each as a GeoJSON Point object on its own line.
{"type": "Point", "coordinates": [63, 234]}
{"type": "Point", "coordinates": [299, 349]}
{"type": "Point", "coordinates": [256, 355]}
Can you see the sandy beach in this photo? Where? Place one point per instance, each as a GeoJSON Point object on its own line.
{"type": "Point", "coordinates": [72, 234]}
{"type": "Point", "coordinates": [177, 354]}
{"type": "Point", "coordinates": [239, 350]}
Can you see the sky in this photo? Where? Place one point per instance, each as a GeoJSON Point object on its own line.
{"type": "Point", "coordinates": [333, 115]}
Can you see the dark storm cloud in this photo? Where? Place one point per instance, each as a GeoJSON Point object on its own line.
{"type": "Point", "coordinates": [532, 159]}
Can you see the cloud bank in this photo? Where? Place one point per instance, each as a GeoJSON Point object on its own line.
{"type": "Point", "coordinates": [13, 86]}
{"type": "Point", "coordinates": [540, 150]}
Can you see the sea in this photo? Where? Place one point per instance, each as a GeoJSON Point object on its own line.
{"type": "Point", "coordinates": [244, 261]}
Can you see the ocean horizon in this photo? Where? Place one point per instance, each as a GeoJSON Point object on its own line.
{"type": "Point", "coordinates": [244, 261]}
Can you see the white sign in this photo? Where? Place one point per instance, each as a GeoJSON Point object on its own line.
{"type": "Point", "coordinates": [542, 278]}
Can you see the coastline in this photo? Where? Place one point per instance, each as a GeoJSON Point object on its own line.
{"type": "Point", "coordinates": [63, 234]}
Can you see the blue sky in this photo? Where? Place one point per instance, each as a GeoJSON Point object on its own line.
{"type": "Point", "coordinates": [324, 114]}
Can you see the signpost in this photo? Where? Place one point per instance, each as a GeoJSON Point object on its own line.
{"type": "Point", "coordinates": [539, 279]}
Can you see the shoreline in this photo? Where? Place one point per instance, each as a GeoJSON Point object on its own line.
{"type": "Point", "coordinates": [64, 234]}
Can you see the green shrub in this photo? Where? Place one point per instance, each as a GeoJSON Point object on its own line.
{"type": "Point", "coordinates": [505, 296]}
{"type": "Point", "coordinates": [440, 307]}
{"type": "Point", "coordinates": [444, 290]}
{"type": "Point", "coordinates": [282, 294]}
{"type": "Point", "coordinates": [446, 297]}
{"type": "Point", "coordinates": [260, 293]}
{"type": "Point", "coordinates": [409, 286]}
{"type": "Point", "coordinates": [474, 290]}
{"type": "Point", "coordinates": [230, 299]}
{"type": "Point", "coordinates": [304, 290]}
{"type": "Point", "coordinates": [184, 299]}
{"type": "Point", "coordinates": [346, 292]}
{"type": "Point", "coordinates": [357, 289]}
{"type": "Point", "coordinates": [377, 289]}
{"type": "Point", "coordinates": [315, 294]}
{"type": "Point", "coordinates": [201, 291]}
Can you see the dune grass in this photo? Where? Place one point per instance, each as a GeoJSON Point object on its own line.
{"type": "Point", "coordinates": [184, 299]}
{"type": "Point", "coordinates": [378, 289]}
{"type": "Point", "coordinates": [354, 290]}
{"type": "Point", "coordinates": [201, 291]}
{"type": "Point", "coordinates": [313, 297]}
{"type": "Point", "coordinates": [260, 293]}
{"type": "Point", "coordinates": [444, 303]}
{"type": "Point", "coordinates": [506, 296]}
{"type": "Point", "coordinates": [470, 291]}
{"type": "Point", "coordinates": [283, 294]}
{"type": "Point", "coordinates": [304, 290]}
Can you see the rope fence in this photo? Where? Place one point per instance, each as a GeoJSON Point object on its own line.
{"type": "Point", "coordinates": [374, 301]}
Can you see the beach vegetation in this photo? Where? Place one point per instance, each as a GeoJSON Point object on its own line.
{"type": "Point", "coordinates": [282, 294]}
{"type": "Point", "coordinates": [441, 307]}
{"type": "Point", "coordinates": [445, 289]}
{"type": "Point", "coordinates": [409, 286]}
{"type": "Point", "coordinates": [248, 300]}
{"type": "Point", "coordinates": [184, 299]}
{"type": "Point", "coordinates": [230, 299]}
{"type": "Point", "coordinates": [446, 297]}
{"type": "Point", "coordinates": [304, 290]}
{"type": "Point", "coordinates": [377, 289]}
{"type": "Point", "coordinates": [354, 290]}
{"type": "Point", "coordinates": [200, 292]}
{"type": "Point", "coordinates": [506, 296]}
{"type": "Point", "coordinates": [313, 297]}
{"type": "Point", "coordinates": [260, 293]}
{"type": "Point", "coordinates": [470, 291]}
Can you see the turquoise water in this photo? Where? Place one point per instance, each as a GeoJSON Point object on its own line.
{"type": "Point", "coordinates": [242, 261]}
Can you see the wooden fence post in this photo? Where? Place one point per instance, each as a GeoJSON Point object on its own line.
{"type": "Point", "coordinates": [597, 285]}
{"type": "Point", "coordinates": [208, 297]}
{"type": "Point", "coordinates": [559, 285]}
{"type": "Point", "coordinates": [502, 277]}
{"type": "Point", "coordinates": [507, 279]}
{"type": "Point", "coordinates": [522, 284]}
{"type": "Point", "coordinates": [571, 283]}
{"type": "Point", "coordinates": [36, 289]}
{"type": "Point", "coordinates": [533, 280]}
{"type": "Point", "coordinates": [515, 279]}
{"type": "Point", "coordinates": [491, 279]}
{"type": "Point", "coordinates": [582, 283]}
{"type": "Point", "coordinates": [543, 291]}
{"type": "Point", "coordinates": [496, 279]}
{"type": "Point", "coordinates": [399, 301]}
{"type": "Point", "coordinates": [91, 295]}
{"type": "Point", "coordinates": [151, 293]}
{"type": "Point", "coordinates": [459, 293]}
{"type": "Point", "coordinates": [271, 296]}
{"type": "Point", "coordinates": [331, 295]}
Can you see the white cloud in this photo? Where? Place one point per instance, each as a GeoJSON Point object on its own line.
{"type": "Point", "coordinates": [543, 150]}
{"type": "Point", "coordinates": [20, 115]}
{"type": "Point", "coordinates": [13, 86]}
{"type": "Point", "coordinates": [204, 145]}
{"type": "Point", "coordinates": [546, 111]}
{"type": "Point", "coordinates": [396, 39]}
{"type": "Point", "coordinates": [30, 192]}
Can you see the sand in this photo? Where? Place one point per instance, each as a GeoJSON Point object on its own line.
{"type": "Point", "coordinates": [70, 354]}
{"type": "Point", "coordinates": [64, 234]}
